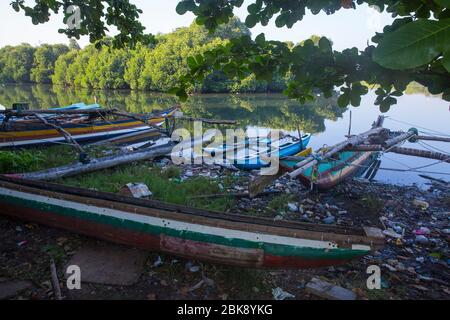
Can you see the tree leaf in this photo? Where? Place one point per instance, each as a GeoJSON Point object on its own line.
{"type": "Point", "coordinates": [413, 45]}
{"type": "Point", "coordinates": [251, 20]}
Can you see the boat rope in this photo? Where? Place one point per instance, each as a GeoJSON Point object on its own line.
{"type": "Point", "coordinates": [428, 131]}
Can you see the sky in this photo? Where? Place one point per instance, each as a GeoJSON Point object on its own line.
{"type": "Point", "coordinates": [347, 28]}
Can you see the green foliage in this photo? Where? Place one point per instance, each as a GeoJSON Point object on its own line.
{"type": "Point", "coordinates": [45, 57]}
{"type": "Point", "coordinates": [415, 48]}
{"type": "Point", "coordinates": [414, 44]}
{"type": "Point", "coordinates": [19, 161]}
{"type": "Point", "coordinates": [16, 63]}
{"type": "Point", "coordinates": [95, 16]}
{"type": "Point", "coordinates": [391, 64]}
{"type": "Point", "coordinates": [156, 68]}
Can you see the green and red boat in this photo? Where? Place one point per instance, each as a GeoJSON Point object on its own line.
{"type": "Point", "coordinates": [187, 232]}
{"type": "Point", "coordinates": [330, 172]}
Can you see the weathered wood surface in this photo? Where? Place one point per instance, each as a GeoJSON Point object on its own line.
{"type": "Point", "coordinates": [98, 164]}
{"type": "Point", "coordinates": [421, 153]}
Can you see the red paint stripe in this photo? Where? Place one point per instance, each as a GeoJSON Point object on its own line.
{"type": "Point", "coordinates": [88, 130]}
{"type": "Point", "coordinates": [271, 261]}
{"type": "Point", "coordinates": [93, 229]}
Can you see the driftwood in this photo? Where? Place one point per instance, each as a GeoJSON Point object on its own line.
{"type": "Point", "coordinates": [209, 121]}
{"type": "Point", "coordinates": [352, 141]}
{"type": "Point", "coordinates": [55, 281]}
{"type": "Point", "coordinates": [97, 164]}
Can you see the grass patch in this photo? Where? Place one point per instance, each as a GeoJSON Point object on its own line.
{"type": "Point", "coordinates": [160, 183]}
{"type": "Point", "coordinates": [164, 182]}
{"type": "Point", "coordinates": [20, 161]}
{"type": "Point", "coordinates": [279, 203]}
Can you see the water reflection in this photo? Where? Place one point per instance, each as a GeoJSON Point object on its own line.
{"type": "Point", "coordinates": [262, 110]}
{"type": "Point", "coordinates": [324, 119]}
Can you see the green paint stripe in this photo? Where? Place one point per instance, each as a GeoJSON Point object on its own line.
{"type": "Point", "coordinates": [273, 249]}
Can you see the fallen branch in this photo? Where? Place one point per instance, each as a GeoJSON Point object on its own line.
{"type": "Point", "coordinates": [55, 281]}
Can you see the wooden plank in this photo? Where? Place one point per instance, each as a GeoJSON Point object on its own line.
{"type": "Point", "coordinates": [329, 291]}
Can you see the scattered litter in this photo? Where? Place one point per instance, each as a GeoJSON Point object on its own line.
{"type": "Point", "coordinates": [423, 205]}
{"type": "Point", "coordinates": [158, 262]}
{"type": "Point", "coordinates": [136, 190]}
{"type": "Point", "coordinates": [280, 294]}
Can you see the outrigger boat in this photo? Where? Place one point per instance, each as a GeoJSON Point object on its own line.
{"type": "Point", "coordinates": [187, 232]}
{"type": "Point", "coordinates": [330, 172]}
{"type": "Point", "coordinates": [81, 127]}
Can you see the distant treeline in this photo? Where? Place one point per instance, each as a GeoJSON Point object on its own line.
{"type": "Point", "coordinates": [155, 68]}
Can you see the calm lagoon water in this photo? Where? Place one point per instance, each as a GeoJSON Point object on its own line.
{"type": "Point", "coordinates": [260, 112]}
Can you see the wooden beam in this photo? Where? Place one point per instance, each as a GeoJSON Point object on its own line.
{"type": "Point", "coordinates": [421, 153]}
{"type": "Point", "coordinates": [443, 139]}
{"type": "Point", "coordinates": [398, 139]}
{"type": "Point", "coordinates": [98, 164]}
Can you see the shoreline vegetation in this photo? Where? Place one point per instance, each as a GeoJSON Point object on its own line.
{"type": "Point", "coordinates": [155, 68]}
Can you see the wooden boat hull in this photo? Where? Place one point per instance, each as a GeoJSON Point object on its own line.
{"type": "Point", "coordinates": [257, 163]}
{"type": "Point", "coordinates": [330, 173]}
{"type": "Point", "coordinates": [24, 134]}
{"type": "Point", "coordinates": [186, 232]}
